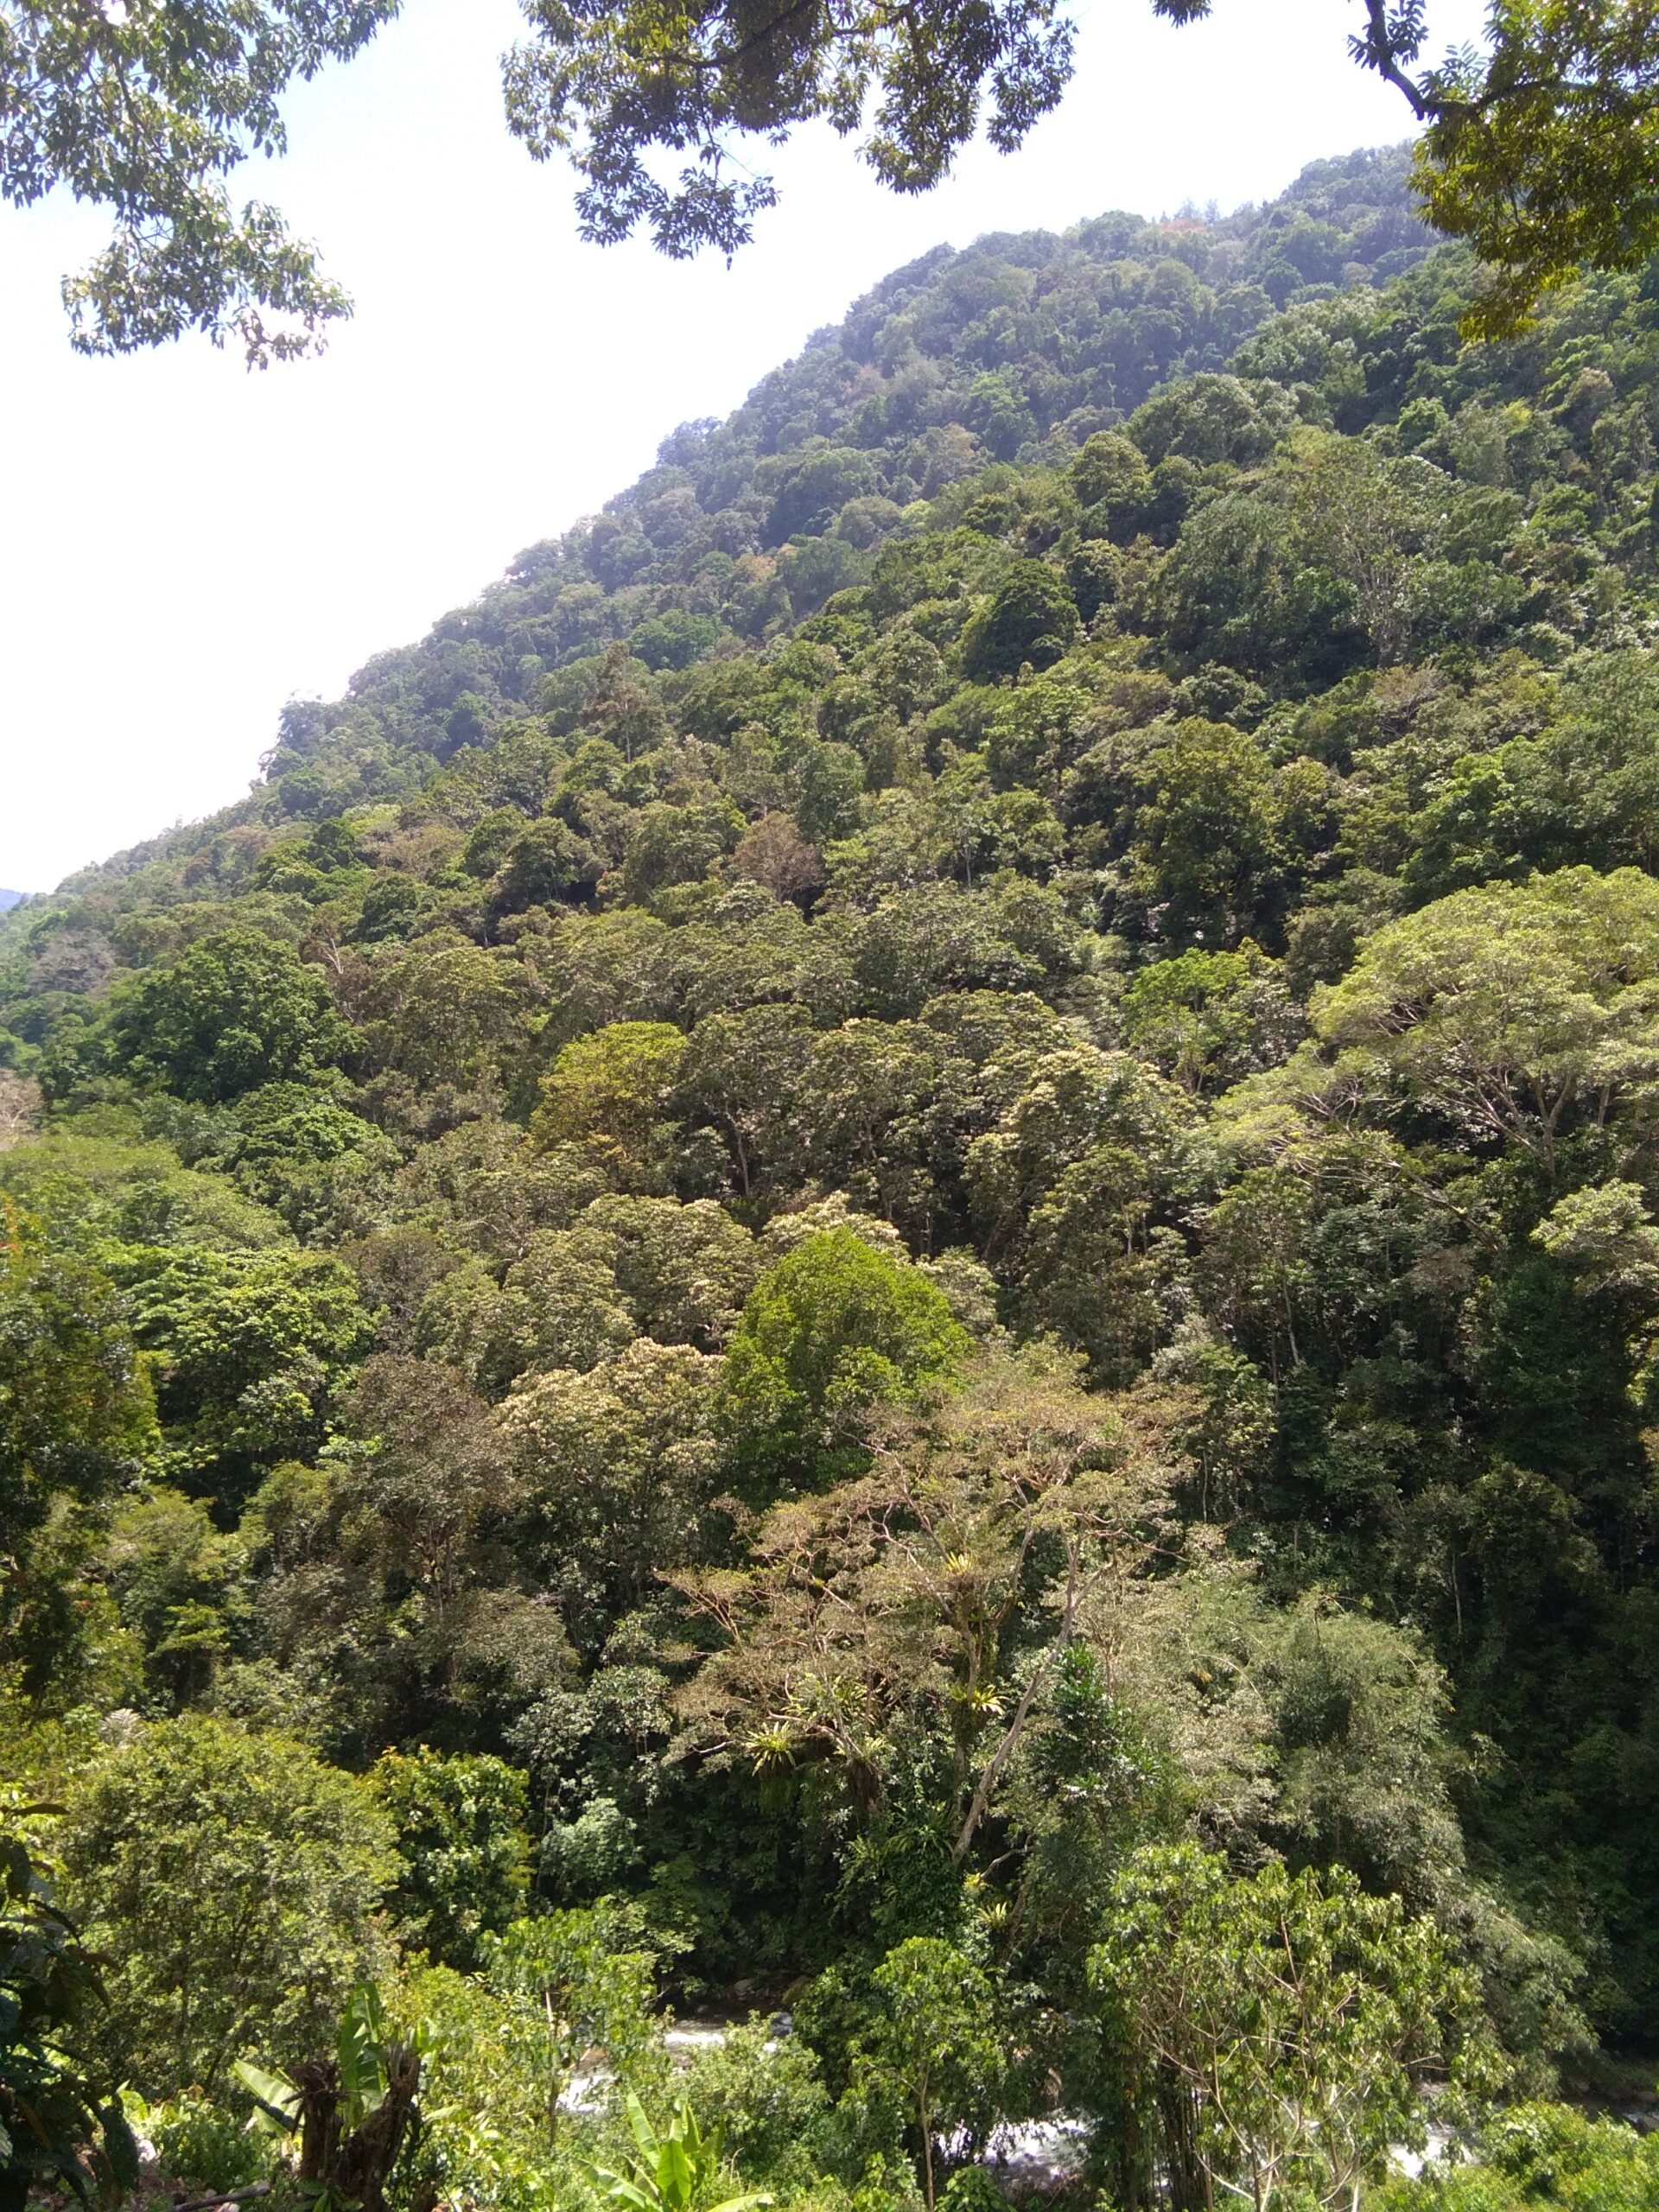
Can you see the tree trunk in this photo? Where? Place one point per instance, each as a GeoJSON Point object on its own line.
{"type": "Point", "coordinates": [354, 2168]}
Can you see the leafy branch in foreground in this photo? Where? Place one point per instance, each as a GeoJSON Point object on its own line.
{"type": "Point", "coordinates": [1539, 153]}
{"type": "Point", "coordinates": [145, 109]}
{"type": "Point", "coordinates": [60, 2126]}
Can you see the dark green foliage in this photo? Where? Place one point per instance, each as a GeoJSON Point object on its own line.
{"type": "Point", "coordinates": [76, 1420]}
{"type": "Point", "coordinates": [1033, 618]}
{"type": "Point", "coordinates": [61, 2125]}
{"type": "Point", "coordinates": [458, 1824]}
{"type": "Point", "coordinates": [548, 862]}
{"type": "Point", "coordinates": [251, 1348]}
{"type": "Point", "coordinates": [767, 2101]}
{"type": "Point", "coordinates": [237, 1011]}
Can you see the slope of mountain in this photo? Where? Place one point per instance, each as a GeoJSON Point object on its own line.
{"type": "Point", "coordinates": [933, 1160]}
{"type": "Point", "coordinates": [960, 360]}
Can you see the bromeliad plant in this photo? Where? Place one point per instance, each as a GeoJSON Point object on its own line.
{"type": "Point", "coordinates": [676, 2170]}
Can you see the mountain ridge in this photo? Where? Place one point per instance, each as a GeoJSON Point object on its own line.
{"type": "Point", "coordinates": [1347, 217]}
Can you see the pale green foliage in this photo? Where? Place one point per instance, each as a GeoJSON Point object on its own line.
{"type": "Point", "coordinates": [76, 1418]}
{"type": "Point", "coordinates": [1607, 1234]}
{"type": "Point", "coordinates": [1540, 151]}
{"type": "Point", "coordinates": [204, 2143]}
{"type": "Point", "coordinates": [504, 2119]}
{"type": "Point", "coordinates": [677, 2168]}
{"type": "Point", "coordinates": [87, 1187]}
{"type": "Point", "coordinates": [574, 1296]}
{"type": "Point", "coordinates": [762, 2095]}
{"type": "Point", "coordinates": [833, 1328]}
{"type": "Point", "coordinates": [557, 1306]}
{"type": "Point", "coordinates": [436, 1020]}
{"type": "Point", "coordinates": [568, 1981]}
{"type": "Point", "coordinates": [483, 2132]}
{"type": "Point", "coordinates": [233, 1880]}
{"type": "Point", "coordinates": [174, 1576]}
{"type": "Point", "coordinates": [1207, 1019]}
{"type": "Point", "coordinates": [608, 1093]}
{"type": "Point", "coordinates": [482, 1186]}
{"type": "Point", "coordinates": [360, 2056]}
{"type": "Point", "coordinates": [1519, 1011]}
{"type": "Point", "coordinates": [616, 1469]}
{"type": "Point", "coordinates": [1539, 2154]}
{"type": "Point", "coordinates": [932, 2039]}
{"type": "Point", "coordinates": [1285, 2019]}
{"type": "Point", "coordinates": [1206, 839]}
{"type": "Point", "coordinates": [684, 1270]}
{"type": "Point", "coordinates": [353, 2112]}
{"type": "Point", "coordinates": [252, 1349]}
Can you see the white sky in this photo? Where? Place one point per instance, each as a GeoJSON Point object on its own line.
{"type": "Point", "coordinates": [185, 544]}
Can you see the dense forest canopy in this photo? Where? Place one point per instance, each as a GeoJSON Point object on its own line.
{"type": "Point", "coordinates": [891, 1244]}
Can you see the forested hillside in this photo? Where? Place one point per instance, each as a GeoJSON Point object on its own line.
{"type": "Point", "coordinates": [889, 1246]}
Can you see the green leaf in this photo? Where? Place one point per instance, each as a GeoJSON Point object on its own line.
{"type": "Point", "coordinates": [643, 2133]}
{"type": "Point", "coordinates": [277, 2097]}
{"type": "Point", "coordinates": [360, 2050]}
{"type": "Point", "coordinates": [120, 2145]}
{"type": "Point", "coordinates": [620, 2190]}
{"type": "Point", "coordinates": [675, 2176]}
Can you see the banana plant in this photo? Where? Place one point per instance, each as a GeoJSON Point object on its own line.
{"type": "Point", "coordinates": [675, 2172]}
{"type": "Point", "coordinates": [352, 2111]}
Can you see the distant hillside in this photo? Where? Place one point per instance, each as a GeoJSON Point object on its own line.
{"type": "Point", "coordinates": [10, 898]}
{"type": "Point", "coordinates": [1013, 349]}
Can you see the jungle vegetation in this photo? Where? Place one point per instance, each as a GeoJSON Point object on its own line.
{"type": "Point", "coordinates": [887, 1249]}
